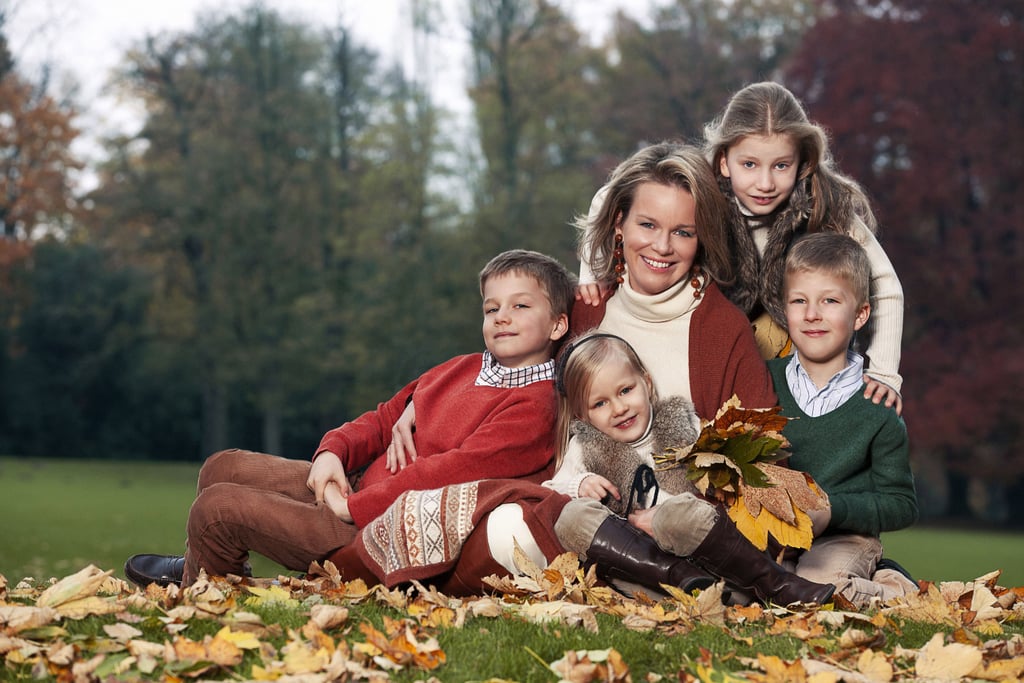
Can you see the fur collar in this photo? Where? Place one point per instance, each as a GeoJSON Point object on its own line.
{"type": "Point", "coordinates": [675, 425]}
{"type": "Point", "coordinates": [758, 283]}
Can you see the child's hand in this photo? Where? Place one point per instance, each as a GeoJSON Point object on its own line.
{"type": "Point", "coordinates": [402, 449]}
{"type": "Point", "coordinates": [337, 502]}
{"type": "Point", "coordinates": [643, 520]}
{"type": "Point", "coordinates": [597, 487]}
{"type": "Point", "coordinates": [589, 294]}
{"type": "Point", "coordinates": [877, 391]}
{"type": "Point", "coordinates": [820, 520]}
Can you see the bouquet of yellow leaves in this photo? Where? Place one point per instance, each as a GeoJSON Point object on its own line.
{"type": "Point", "coordinates": [735, 455]}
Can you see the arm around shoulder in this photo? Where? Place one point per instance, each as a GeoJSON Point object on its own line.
{"type": "Point", "coordinates": [887, 304]}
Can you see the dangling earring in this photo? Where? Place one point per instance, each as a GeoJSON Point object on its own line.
{"type": "Point", "coordinates": [695, 281]}
{"type": "Point", "coordinates": [619, 261]}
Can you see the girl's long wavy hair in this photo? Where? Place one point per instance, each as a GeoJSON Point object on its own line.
{"type": "Point", "coordinates": [823, 199]}
{"type": "Point", "coordinates": [578, 363]}
{"type": "Point", "coordinates": [667, 163]}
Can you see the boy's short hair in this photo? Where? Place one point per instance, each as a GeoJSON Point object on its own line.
{"type": "Point", "coordinates": [834, 253]}
{"type": "Point", "coordinates": [557, 282]}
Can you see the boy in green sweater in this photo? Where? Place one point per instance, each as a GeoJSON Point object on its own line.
{"type": "Point", "coordinates": [856, 450]}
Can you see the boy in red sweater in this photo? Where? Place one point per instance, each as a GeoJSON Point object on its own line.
{"type": "Point", "coordinates": [479, 416]}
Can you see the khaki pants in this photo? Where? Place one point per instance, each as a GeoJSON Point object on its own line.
{"type": "Point", "coordinates": [248, 501]}
{"type": "Point", "coordinates": [680, 524]}
{"type": "Point", "coordinates": [848, 561]}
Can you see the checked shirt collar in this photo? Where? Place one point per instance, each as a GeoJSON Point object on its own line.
{"type": "Point", "coordinates": [494, 374]}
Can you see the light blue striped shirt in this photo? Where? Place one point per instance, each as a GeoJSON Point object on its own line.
{"type": "Point", "coordinates": [816, 402]}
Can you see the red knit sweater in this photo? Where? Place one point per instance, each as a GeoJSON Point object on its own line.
{"type": "Point", "coordinates": [723, 358]}
{"type": "Point", "coordinates": [464, 433]}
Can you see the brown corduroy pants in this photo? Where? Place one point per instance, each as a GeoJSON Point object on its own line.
{"type": "Point", "coordinates": [248, 501]}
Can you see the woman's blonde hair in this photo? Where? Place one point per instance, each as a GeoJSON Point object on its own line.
{"type": "Point", "coordinates": [575, 368]}
{"type": "Point", "coordinates": [666, 163]}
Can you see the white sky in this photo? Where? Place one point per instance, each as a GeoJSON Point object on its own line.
{"type": "Point", "coordinates": [87, 38]}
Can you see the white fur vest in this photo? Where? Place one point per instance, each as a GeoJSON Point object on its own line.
{"type": "Point", "coordinates": [676, 425]}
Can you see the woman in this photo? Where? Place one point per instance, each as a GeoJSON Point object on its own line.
{"type": "Point", "coordinates": [658, 243]}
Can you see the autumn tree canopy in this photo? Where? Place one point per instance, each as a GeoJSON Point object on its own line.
{"type": "Point", "coordinates": [297, 228]}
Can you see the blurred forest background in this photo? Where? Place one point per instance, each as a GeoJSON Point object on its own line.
{"type": "Point", "coordinates": [296, 229]}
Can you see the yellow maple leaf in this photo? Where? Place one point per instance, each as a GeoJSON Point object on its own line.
{"type": "Point", "coordinates": [273, 594]}
{"type": "Point", "coordinates": [188, 650]}
{"type": "Point", "coordinates": [241, 639]}
{"type": "Point", "coordinates": [756, 529]}
{"type": "Point", "coordinates": [875, 666]}
{"type": "Point", "coordinates": [302, 658]}
{"type": "Point", "coordinates": [778, 670]}
{"type": "Point", "coordinates": [221, 651]}
{"type": "Point", "coordinates": [708, 674]}
{"type": "Point", "coordinates": [946, 662]}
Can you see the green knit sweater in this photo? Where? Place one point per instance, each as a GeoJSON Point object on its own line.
{"type": "Point", "coordinates": [858, 453]}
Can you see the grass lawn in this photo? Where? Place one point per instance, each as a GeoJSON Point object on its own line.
{"type": "Point", "coordinates": [61, 515]}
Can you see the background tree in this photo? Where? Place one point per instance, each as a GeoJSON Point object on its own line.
{"type": "Point", "coordinates": [532, 91]}
{"type": "Point", "coordinates": [221, 183]}
{"type": "Point", "coordinates": [36, 162]}
{"type": "Point", "coordinates": [666, 76]}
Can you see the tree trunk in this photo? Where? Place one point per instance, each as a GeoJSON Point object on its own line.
{"type": "Point", "coordinates": [272, 429]}
{"type": "Point", "coordinates": [215, 419]}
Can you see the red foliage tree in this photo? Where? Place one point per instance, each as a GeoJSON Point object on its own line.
{"type": "Point", "coordinates": [36, 162]}
{"type": "Point", "coordinates": [925, 103]}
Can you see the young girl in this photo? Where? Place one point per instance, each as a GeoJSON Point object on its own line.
{"type": "Point", "coordinates": [775, 167]}
{"type": "Point", "coordinates": [637, 524]}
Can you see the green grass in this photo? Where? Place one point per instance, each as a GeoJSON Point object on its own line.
{"type": "Point", "coordinates": [58, 516]}
{"type": "Point", "coordinates": [957, 554]}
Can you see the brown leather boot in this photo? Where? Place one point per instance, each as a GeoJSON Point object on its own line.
{"type": "Point", "coordinates": [621, 551]}
{"type": "Point", "coordinates": [727, 553]}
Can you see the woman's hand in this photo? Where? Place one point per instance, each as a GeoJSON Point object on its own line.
{"type": "Point", "coordinates": [597, 487]}
{"type": "Point", "coordinates": [643, 520]}
{"type": "Point", "coordinates": [589, 294]}
{"type": "Point", "coordinates": [402, 450]}
{"type": "Point", "coordinates": [877, 392]}
{"type": "Point", "coordinates": [326, 472]}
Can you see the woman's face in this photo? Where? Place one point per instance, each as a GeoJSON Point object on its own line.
{"type": "Point", "coordinates": [659, 237]}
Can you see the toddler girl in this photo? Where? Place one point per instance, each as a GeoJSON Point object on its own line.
{"type": "Point", "coordinates": [610, 425]}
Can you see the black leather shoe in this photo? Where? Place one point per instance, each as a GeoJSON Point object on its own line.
{"type": "Point", "coordinates": [162, 570]}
